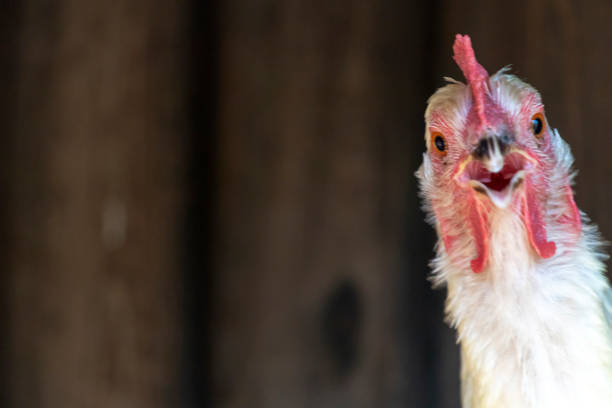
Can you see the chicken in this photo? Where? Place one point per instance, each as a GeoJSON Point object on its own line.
{"type": "Point", "coordinates": [523, 267]}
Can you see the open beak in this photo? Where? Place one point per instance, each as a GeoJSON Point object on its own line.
{"type": "Point", "coordinates": [496, 172]}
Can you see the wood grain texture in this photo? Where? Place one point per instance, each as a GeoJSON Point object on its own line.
{"type": "Point", "coordinates": [320, 131]}
{"type": "Point", "coordinates": [95, 200]}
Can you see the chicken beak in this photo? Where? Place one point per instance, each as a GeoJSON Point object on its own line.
{"type": "Point", "coordinates": [491, 151]}
{"type": "Point", "coordinates": [494, 169]}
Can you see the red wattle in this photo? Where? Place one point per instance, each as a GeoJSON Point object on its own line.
{"type": "Point", "coordinates": [447, 238]}
{"type": "Point", "coordinates": [534, 222]}
{"type": "Point", "coordinates": [574, 218]}
{"type": "Point", "coordinates": [479, 234]}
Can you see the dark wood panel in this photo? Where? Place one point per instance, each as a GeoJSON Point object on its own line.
{"type": "Point", "coordinates": [321, 298]}
{"type": "Point", "coordinates": [95, 198]}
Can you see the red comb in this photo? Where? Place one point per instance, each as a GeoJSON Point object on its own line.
{"type": "Point", "coordinates": [477, 77]}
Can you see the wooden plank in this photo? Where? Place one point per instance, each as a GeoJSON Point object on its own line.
{"type": "Point", "coordinates": [8, 71]}
{"type": "Point", "coordinates": [95, 203]}
{"type": "Point", "coordinates": [320, 294]}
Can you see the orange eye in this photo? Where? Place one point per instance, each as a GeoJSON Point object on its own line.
{"type": "Point", "coordinates": [538, 124]}
{"type": "Point", "coordinates": [439, 143]}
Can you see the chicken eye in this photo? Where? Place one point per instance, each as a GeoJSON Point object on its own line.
{"type": "Point", "coordinates": [439, 143]}
{"type": "Point", "coordinates": [537, 124]}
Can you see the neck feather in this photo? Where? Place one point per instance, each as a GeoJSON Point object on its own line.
{"type": "Point", "coordinates": [532, 331]}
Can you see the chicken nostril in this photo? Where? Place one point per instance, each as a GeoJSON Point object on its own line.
{"type": "Point", "coordinates": [482, 148]}
{"type": "Point", "coordinates": [492, 147]}
{"type": "Point", "coordinates": [491, 151]}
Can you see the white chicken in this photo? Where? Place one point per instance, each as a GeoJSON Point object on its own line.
{"type": "Point", "coordinates": [523, 267]}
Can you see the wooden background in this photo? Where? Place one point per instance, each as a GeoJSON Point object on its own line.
{"type": "Point", "coordinates": [213, 203]}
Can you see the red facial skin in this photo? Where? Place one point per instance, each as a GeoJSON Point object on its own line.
{"type": "Point", "coordinates": [473, 208]}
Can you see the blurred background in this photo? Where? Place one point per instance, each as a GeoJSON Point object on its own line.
{"type": "Point", "coordinates": [212, 203]}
